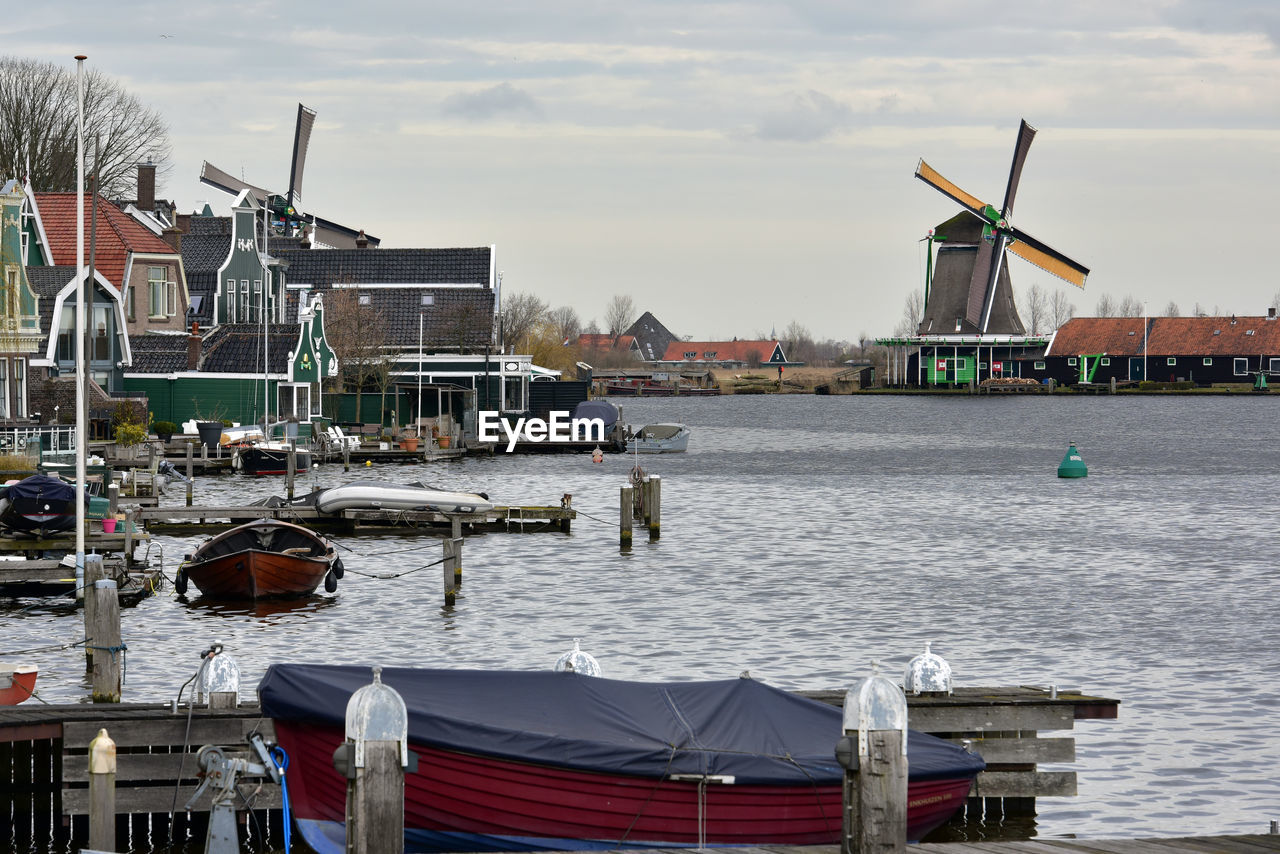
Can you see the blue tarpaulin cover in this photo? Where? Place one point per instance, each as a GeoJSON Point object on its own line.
{"type": "Point", "coordinates": [758, 734]}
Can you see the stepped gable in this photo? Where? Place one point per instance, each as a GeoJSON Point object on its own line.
{"type": "Point", "coordinates": [158, 354]}
{"type": "Point", "coordinates": [237, 348]}
{"type": "Point", "coordinates": [652, 338]}
{"type": "Point", "coordinates": [118, 234]}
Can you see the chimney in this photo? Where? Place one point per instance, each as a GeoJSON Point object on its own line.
{"type": "Point", "coordinates": [1271, 313]}
{"type": "Point", "coordinates": [362, 242]}
{"type": "Point", "coordinates": [193, 347]}
{"type": "Point", "coordinates": [146, 186]}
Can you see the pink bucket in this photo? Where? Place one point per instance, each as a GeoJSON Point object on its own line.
{"type": "Point", "coordinates": [108, 526]}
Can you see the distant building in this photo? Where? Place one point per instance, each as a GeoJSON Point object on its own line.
{"type": "Point", "coordinates": [726, 354]}
{"type": "Point", "coordinates": [651, 337]}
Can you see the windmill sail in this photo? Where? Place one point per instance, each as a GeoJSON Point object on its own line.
{"type": "Point", "coordinates": [228, 183]}
{"type": "Point", "coordinates": [301, 138]}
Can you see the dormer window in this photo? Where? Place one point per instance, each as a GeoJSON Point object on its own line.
{"type": "Point", "coordinates": [364, 299]}
{"type": "Point", "coordinates": [428, 299]}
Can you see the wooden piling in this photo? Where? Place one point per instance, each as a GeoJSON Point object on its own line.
{"type": "Point", "coordinates": [655, 507]}
{"type": "Point", "coordinates": [452, 568]}
{"type": "Point", "coordinates": [626, 512]}
{"type": "Point", "coordinates": [291, 469]}
{"type": "Point", "coordinates": [128, 535]}
{"type": "Point", "coordinates": [105, 636]}
{"type": "Point", "coordinates": [190, 473]}
{"type": "Point", "coordinates": [455, 529]}
{"type": "Point", "coordinates": [102, 793]}
{"type": "Point", "coordinates": [644, 499]}
{"type": "Point", "coordinates": [204, 457]}
{"type": "Point", "coordinates": [873, 752]}
{"type": "Point", "coordinates": [346, 457]}
{"type": "Point", "coordinates": [113, 498]}
{"type": "Point", "coordinates": [376, 802]}
{"type": "Point", "coordinates": [93, 572]}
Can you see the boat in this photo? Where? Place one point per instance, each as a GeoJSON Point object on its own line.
{"type": "Point", "coordinates": [264, 458]}
{"type": "Point", "coordinates": [17, 683]}
{"type": "Point", "coordinates": [379, 495]}
{"type": "Point", "coordinates": [659, 439]}
{"type": "Point", "coordinates": [510, 760]}
{"type": "Point", "coordinates": [38, 504]}
{"type": "Point", "coordinates": [261, 559]}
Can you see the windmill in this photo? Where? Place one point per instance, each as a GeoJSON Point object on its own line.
{"type": "Point", "coordinates": [971, 287]}
{"type": "Point", "coordinates": [285, 205]}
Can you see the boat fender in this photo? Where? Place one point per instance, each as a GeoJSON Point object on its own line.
{"type": "Point", "coordinates": [338, 569]}
{"type": "Point", "coordinates": [180, 582]}
{"type": "Point", "coordinates": [330, 582]}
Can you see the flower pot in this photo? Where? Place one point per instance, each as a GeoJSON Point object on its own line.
{"type": "Point", "coordinates": [443, 441]}
{"type": "Point", "coordinates": [108, 526]}
{"type": "Point", "coordinates": [210, 433]}
{"type": "Point", "coordinates": [409, 443]}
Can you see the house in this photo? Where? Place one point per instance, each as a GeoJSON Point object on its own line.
{"type": "Point", "coordinates": [1202, 350]}
{"type": "Point", "coordinates": [651, 337]}
{"type": "Point", "coordinates": [726, 354]}
{"type": "Point", "coordinates": [594, 345]}
{"type": "Point", "coordinates": [20, 330]}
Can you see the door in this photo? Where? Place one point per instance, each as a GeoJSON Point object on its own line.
{"type": "Point", "coordinates": [1136, 369]}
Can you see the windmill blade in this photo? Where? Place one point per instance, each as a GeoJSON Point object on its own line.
{"type": "Point", "coordinates": [228, 183]}
{"type": "Point", "coordinates": [301, 138]}
{"type": "Point", "coordinates": [1048, 259]}
{"type": "Point", "coordinates": [982, 281]}
{"type": "Point", "coordinates": [1026, 133]}
{"type": "Point", "coordinates": [930, 176]}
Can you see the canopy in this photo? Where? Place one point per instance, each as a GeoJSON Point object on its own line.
{"type": "Point", "coordinates": [739, 727]}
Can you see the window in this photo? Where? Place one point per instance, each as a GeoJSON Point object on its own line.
{"type": "Point", "coordinates": [1071, 360]}
{"type": "Point", "coordinates": [19, 388]}
{"type": "Point", "coordinates": [1273, 365]}
{"type": "Point", "coordinates": [66, 335]}
{"type": "Point", "coordinates": [128, 303]}
{"type": "Point", "coordinates": [1039, 366]}
{"type": "Point", "coordinates": [231, 300]}
{"type": "Point", "coordinates": [1241, 367]}
{"type": "Point", "coordinates": [101, 334]}
{"type": "Point", "coordinates": [982, 366]}
{"type": "Point", "coordinates": [709, 354]}
{"type": "Point", "coordinates": [244, 301]}
{"type": "Point", "coordinates": [364, 299]}
{"type": "Point", "coordinates": [294, 400]}
{"type": "Point", "coordinates": [1104, 361]}
{"type": "Point", "coordinates": [1172, 360]}
{"type": "Point", "coordinates": [428, 299]}
{"type": "Point", "coordinates": [4, 388]}
{"type": "Point", "coordinates": [690, 355]}
{"type": "Point", "coordinates": [1208, 360]}
{"type": "Point", "coordinates": [157, 293]}
{"type": "Point", "coordinates": [258, 302]}
{"type": "Point", "coordinates": [961, 364]}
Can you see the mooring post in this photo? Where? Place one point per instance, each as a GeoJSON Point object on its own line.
{"type": "Point", "coordinates": [626, 512]}
{"type": "Point", "coordinates": [291, 469]}
{"type": "Point", "coordinates": [450, 582]}
{"type": "Point", "coordinates": [346, 457]}
{"type": "Point", "coordinates": [128, 534]}
{"type": "Point", "coordinates": [219, 679]}
{"type": "Point", "coordinates": [105, 635]}
{"type": "Point", "coordinates": [374, 759]}
{"type": "Point", "coordinates": [190, 473]}
{"type": "Point", "coordinates": [566, 504]}
{"type": "Point", "coordinates": [873, 752]}
{"type": "Point", "coordinates": [645, 497]}
{"type": "Point", "coordinates": [113, 498]}
{"type": "Point", "coordinates": [1113, 385]}
{"type": "Point", "coordinates": [655, 507]}
{"type": "Point", "coordinates": [204, 457]}
{"type": "Point", "coordinates": [102, 793]}
{"type": "Point", "coordinates": [93, 571]}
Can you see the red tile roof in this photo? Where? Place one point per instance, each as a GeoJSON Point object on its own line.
{"type": "Point", "coordinates": [1169, 336]}
{"type": "Point", "coordinates": [118, 234]}
{"type": "Point", "coordinates": [723, 351]}
{"type": "Point", "coordinates": [592, 341]}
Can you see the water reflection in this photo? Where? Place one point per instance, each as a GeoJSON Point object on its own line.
{"type": "Point", "coordinates": [267, 610]}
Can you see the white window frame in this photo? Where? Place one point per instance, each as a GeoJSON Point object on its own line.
{"type": "Point", "coordinates": [19, 387]}
{"type": "Point", "coordinates": [1171, 360]}
{"type": "Point", "coordinates": [300, 391]}
{"type": "Point", "coordinates": [1240, 366]}
{"type": "Point", "coordinates": [1072, 361]}
{"type": "Point", "coordinates": [4, 388]}
{"type": "Point", "coordinates": [231, 300]}
{"type": "Point", "coordinates": [1208, 360]}
{"type": "Point", "coordinates": [1104, 361]}
{"type": "Point", "coordinates": [245, 317]}
{"type": "Point", "coordinates": [1273, 365]}
{"type": "Point", "coordinates": [157, 293]}
{"type": "Point", "coordinates": [1039, 366]}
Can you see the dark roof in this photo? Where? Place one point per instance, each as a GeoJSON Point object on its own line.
{"type": "Point", "coordinates": [324, 267]}
{"type": "Point", "coordinates": [201, 286]}
{"type": "Point", "coordinates": [237, 348]}
{"type": "Point", "coordinates": [46, 282]}
{"type": "Point", "coordinates": [158, 354]}
{"type": "Point", "coordinates": [457, 319]}
{"type": "Point", "coordinates": [952, 272]}
{"type": "Point", "coordinates": [652, 338]}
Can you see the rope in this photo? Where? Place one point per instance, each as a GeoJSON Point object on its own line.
{"type": "Point", "coordinates": [397, 574]}
{"type": "Point", "coordinates": [42, 649]}
{"type": "Point", "coordinates": [124, 658]}
{"type": "Point", "coordinates": [281, 760]}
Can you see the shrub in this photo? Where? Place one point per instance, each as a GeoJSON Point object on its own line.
{"type": "Point", "coordinates": [164, 428]}
{"type": "Point", "coordinates": [129, 434]}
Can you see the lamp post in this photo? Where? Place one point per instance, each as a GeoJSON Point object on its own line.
{"type": "Point", "coordinates": [82, 384]}
{"type": "Point", "coordinates": [1145, 377]}
{"type": "Point", "coordinates": [419, 422]}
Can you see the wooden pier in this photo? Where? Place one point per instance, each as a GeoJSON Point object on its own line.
{"type": "Point", "coordinates": [527, 518]}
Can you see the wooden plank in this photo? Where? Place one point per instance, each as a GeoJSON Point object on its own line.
{"type": "Point", "coordinates": [135, 767]}
{"type": "Point", "coordinates": [1021, 750]}
{"type": "Point", "coordinates": [957, 719]}
{"type": "Point", "coordinates": [167, 731]}
{"type": "Point", "coordinates": [150, 799]}
{"type": "Point", "coordinates": [1024, 784]}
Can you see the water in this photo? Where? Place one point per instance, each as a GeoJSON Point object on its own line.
{"type": "Point", "coordinates": [804, 537]}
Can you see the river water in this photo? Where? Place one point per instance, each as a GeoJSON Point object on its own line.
{"type": "Point", "coordinates": [804, 537]}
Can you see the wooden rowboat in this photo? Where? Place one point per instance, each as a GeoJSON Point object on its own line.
{"type": "Point", "coordinates": [262, 559]}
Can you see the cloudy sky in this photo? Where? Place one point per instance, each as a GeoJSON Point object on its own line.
{"type": "Point", "coordinates": [733, 166]}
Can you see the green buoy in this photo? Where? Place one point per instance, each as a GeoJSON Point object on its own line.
{"type": "Point", "coordinates": [1072, 465]}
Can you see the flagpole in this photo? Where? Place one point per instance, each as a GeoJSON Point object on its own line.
{"type": "Point", "coordinates": [82, 415]}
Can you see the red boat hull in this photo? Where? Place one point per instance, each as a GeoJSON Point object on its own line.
{"type": "Point", "coordinates": [258, 575]}
{"type": "Point", "coordinates": [17, 683]}
{"type": "Point", "coordinates": [465, 802]}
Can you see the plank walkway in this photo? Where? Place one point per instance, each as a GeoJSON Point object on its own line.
{"type": "Point", "coordinates": [500, 518]}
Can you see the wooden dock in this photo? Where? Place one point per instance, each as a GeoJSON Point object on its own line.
{"type": "Point", "coordinates": [527, 518]}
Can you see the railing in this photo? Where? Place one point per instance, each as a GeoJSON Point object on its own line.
{"type": "Point", "coordinates": [52, 440]}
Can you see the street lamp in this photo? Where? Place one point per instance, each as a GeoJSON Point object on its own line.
{"type": "Point", "coordinates": [418, 431]}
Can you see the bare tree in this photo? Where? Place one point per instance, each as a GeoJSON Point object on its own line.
{"type": "Point", "coordinates": [1131, 306]}
{"type": "Point", "coordinates": [1172, 310]}
{"type": "Point", "coordinates": [564, 320]}
{"type": "Point", "coordinates": [592, 328]}
{"type": "Point", "coordinates": [1035, 308]}
{"type": "Point", "coordinates": [1106, 307]}
{"type": "Point", "coordinates": [912, 312]}
{"type": "Point", "coordinates": [357, 333]}
{"type": "Point", "coordinates": [798, 343]}
{"type": "Point", "coordinates": [38, 126]}
{"type": "Point", "coordinates": [1060, 309]}
{"type": "Point", "coordinates": [521, 312]}
{"type": "Point", "coordinates": [619, 314]}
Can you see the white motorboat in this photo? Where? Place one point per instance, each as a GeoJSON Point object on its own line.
{"type": "Point", "coordinates": [379, 495]}
{"type": "Point", "coordinates": [659, 439]}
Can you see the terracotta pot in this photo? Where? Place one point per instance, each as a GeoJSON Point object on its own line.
{"type": "Point", "coordinates": [409, 443]}
{"type": "Point", "coordinates": [443, 441]}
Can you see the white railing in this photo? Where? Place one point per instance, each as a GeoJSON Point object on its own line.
{"type": "Point", "coordinates": [53, 440]}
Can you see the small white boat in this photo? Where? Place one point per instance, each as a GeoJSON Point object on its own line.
{"type": "Point", "coordinates": [378, 495]}
{"type": "Point", "coordinates": [659, 439]}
